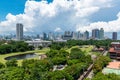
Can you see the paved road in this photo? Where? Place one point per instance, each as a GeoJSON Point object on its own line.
{"type": "Point", "coordinates": [105, 53]}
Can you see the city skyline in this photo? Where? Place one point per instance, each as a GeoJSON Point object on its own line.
{"type": "Point", "coordinates": [60, 15]}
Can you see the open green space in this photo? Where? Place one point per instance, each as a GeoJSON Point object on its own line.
{"type": "Point", "coordinates": [86, 48]}
{"type": "Point", "coordinates": [3, 56]}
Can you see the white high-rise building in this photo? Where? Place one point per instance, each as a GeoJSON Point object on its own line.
{"type": "Point", "coordinates": [19, 31]}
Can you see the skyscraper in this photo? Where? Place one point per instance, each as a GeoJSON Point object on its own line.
{"type": "Point", "coordinates": [19, 31]}
{"type": "Point", "coordinates": [74, 36]}
{"type": "Point", "coordinates": [114, 35]}
{"type": "Point", "coordinates": [95, 33]}
{"type": "Point", "coordinates": [101, 33]}
{"type": "Point", "coordinates": [51, 36]}
{"type": "Point", "coordinates": [86, 35]}
{"type": "Point", "coordinates": [45, 36]}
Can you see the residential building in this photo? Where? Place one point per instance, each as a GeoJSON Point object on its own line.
{"type": "Point", "coordinates": [115, 50]}
{"type": "Point", "coordinates": [95, 33]}
{"type": "Point", "coordinates": [45, 37]}
{"type": "Point", "coordinates": [114, 35]}
{"type": "Point", "coordinates": [67, 35]}
{"type": "Point", "coordinates": [101, 34]}
{"type": "Point", "coordinates": [75, 36]}
{"type": "Point", "coordinates": [86, 35]}
{"type": "Point", "coordinates": [19, 31]}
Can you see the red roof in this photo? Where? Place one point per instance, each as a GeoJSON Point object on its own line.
{"type": "Point", "coordinates": [112, 50]}
{"type": "Point", "coordinates": [114, 65]}
{"type": "Point", "coordinates": [101, 49]}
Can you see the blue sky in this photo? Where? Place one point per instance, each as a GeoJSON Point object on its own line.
{"type": "Point", "coordinates": [107, 14]}
{"type": "Point", "coordinates": [17, 6]}
{"type": "Point", "coordinates": [60, 15]}
{"type": "Point", "coordinates": [12, 6]}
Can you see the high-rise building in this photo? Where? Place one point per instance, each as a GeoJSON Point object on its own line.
{"type": "Point", "coordinates": [74, 36]}
{"type": "Point", "coordinates": [19, 31]}
{"type": "Point", "coordinates": [101, 33]}
{"type": "Point", "coordinates": [86, 35]}
{"type": "Point", "coordinates": [67, 35]}
{"type": "Point", "coordinates": [114, 35]}
{"type": "Point", "coordinates": [45, 37]}
{"type": "Point", "coordinates": [51, 36]}
{"type": "Point", "coordinates": [95, 33]}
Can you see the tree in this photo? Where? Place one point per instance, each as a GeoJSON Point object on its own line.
{"type": "Point", "coordinates": [76, 53]}
{"type": "Point", "coordinates": [76, 70]}
{"type": "Point", "coordinates": [31, 47]}
{"type": "Point", "coordinates": [11, 63]}
{"type": "Point", "coordinates": [52, 53]}
{"type": "Point", "coordinates": [101, 62]}
{"type": "Point", "coordinates": [73, 61]}
{"type": "Point", "coordinates": [57, 75]}
{"type": "Point", "coordinates": [59, 60]}
{"type": "Point", "coordinates": [40, 47]}
{"type": "Point", "coordinates": [13, 74]}
{"type": "Point", "coordinates": [2, 65]}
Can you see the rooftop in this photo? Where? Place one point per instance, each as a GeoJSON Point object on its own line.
{"type": "Point", "coordinates": [112, 50]}
{"type": "Point", "coordinates": [109, 70]}
{"type": "Point", "coordinates": [114, 65]}
{"type": "Point", "coordinates": [115, 43]}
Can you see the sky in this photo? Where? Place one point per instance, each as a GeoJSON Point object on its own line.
{"type": "Point", "coordinates": [59, 15]}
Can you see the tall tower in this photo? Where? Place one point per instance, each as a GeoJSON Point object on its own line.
{"type": "Point", "coordinates": [45, 36]}
{"type": "Point", "coordinates": [101, 33]}
{"type": "Point", "coordinates": [19, 31]}
{"type": "Point", "coordinates": [114, 36]}
{"type": "Point", "coordinates": [86, 35]}
{"type": "Point", "coordinates": [96, 33]}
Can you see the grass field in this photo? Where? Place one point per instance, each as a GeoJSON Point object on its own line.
{"type": "Point", "coordinates": [87, 49]}
{"type": "Point", "coordinates": [43, 51]}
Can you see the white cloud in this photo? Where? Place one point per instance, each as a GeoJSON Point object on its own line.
{"type": "Point", "coordinates": [41, 16]}
{"type": "Point", "coordinates": [58, 29]}
{"type": "Point", "coordinates": [108, 26]}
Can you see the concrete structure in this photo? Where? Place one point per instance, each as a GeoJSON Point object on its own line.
{"type": "Point", "coordinates": [19, 31]}
{"type": "Point", "coordinates": [51, 36]}
{"type": "Point", "coordinates": [112, 67]}
{"type": "Point", "coordinates": [60, 41]}
{"type": "Point", "coordinates": [45, 36]}
{"type": "Point", "coordinates": [115, 50]}
{"type": "Point", "coordinates": [95, 33]}
{"type": "Point", "coordinates": [86, 35]}
{"type": "Point", "coordinates": [75, 36]}
{"type": "Point", "coordinates": [67, 35]}
{"type": "Point", "coordinates": [39, 43]}
{"type": "Point", "coordinates": [114, 35]}
{"type": "Point", "coordinates": [101, 33]}
{"type": "Point", "coordinates": [42, 56]}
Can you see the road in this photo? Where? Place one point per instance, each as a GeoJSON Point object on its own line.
{"type": "Point", "coordinates": [89, 72]}
{"type": "Point", "coordinates": [105, 53]}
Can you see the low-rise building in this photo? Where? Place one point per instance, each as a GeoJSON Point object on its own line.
{"type": "Point", "coordinates": [114, 51]}
{"type": "Point", "coordinates": [38, 43]}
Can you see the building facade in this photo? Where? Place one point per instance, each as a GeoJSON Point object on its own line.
{"type": "Point", "coordinates": [38, 43]}
{"type": "Point", "coordinates": [95, 33]}
{"type": "Point", "coordinates": [101, 33]}
{"type": "Point", "coordinates": [19, 31]}
{"type": "Point", "coordinates": [114, 51]}
{"type": "Point", "coordinates": [86, 35]}
{"type": "Point", "coordinates": [114, 35]}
